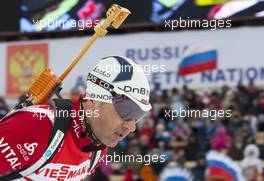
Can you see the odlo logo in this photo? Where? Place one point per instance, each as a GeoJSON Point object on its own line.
{"type": "Point", "coordinates": [27, 150]}
{"type": "Point", "coordinates": [30, 147]}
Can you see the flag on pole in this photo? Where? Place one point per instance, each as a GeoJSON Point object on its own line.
{"type": "Point", "coordinates": [198, 59]}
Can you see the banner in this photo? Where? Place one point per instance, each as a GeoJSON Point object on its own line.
{"type": "Point", "coordinates": [24, 63]}
{"type": "Point", "coordinates": [239, 50]}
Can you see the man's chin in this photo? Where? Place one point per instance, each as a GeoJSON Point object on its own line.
{"type": "Point", "coordinates": [112, 145]}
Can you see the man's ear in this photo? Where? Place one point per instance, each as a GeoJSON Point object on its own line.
{"type": "Point", "coordinates": [89, 104]}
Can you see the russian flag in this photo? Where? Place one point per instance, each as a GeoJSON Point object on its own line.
{"type": "Point", "coordinates": [222, 166]}
{"type": "Point", "coordinates": [198, 59]}
{"type": "Point", "coordinates": [220, 170]}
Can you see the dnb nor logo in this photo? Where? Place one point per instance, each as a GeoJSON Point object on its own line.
{"type": "Point", "coordinates": [24, 63]}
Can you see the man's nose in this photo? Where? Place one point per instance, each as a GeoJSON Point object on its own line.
{"type": "Point", "coordinates": [129, 126]}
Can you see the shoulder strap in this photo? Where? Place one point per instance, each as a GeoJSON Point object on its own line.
{"type": "Point", "coordinates": [60, 127]}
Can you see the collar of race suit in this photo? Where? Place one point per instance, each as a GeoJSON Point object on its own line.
{"type": "Point", "coordinates": [88, 132]}
{"type": "Point", "coordinates": [85, 136]}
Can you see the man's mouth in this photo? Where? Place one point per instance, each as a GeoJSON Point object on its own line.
{"type": "Point", "coordinates": [119, 136]}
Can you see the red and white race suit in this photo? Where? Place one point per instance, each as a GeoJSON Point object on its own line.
{"type": "Point", "coordinates": [24, 136]}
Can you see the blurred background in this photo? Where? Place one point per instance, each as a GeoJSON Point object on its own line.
{"type": "Point", "coordinates": [233, 80]}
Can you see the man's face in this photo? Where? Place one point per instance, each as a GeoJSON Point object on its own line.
{"type": "Point", "coordinates": [109, 127]}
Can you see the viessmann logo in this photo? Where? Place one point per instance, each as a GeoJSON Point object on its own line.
{"type": "Point", "coordinates": [61, 173]}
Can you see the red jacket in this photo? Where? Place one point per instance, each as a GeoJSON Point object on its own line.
{"type": "Point", "coordinates": [24, 136]}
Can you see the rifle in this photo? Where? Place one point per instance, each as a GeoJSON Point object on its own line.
{"type": "Point", "coordinates": [48, 84]}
